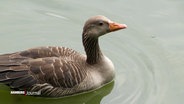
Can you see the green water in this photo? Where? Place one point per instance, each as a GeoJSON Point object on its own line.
{"type": "Point", "coordinates": [93, 97]}
{"type": "Point", "coordinates": [148, 55]}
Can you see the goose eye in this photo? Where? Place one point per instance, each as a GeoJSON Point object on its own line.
{"type": "Point", "coordinates": [101, 24]}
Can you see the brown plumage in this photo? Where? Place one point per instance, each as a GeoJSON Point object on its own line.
{"type": "Point", "coordinates": [60, 71]}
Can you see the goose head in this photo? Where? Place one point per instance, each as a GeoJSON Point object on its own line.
{"type": "Point", "coordinates": [99, 25]}
{"type": "Point", "coordinates": [94, 28]}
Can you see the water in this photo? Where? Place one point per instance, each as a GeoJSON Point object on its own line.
{"type": "Point", "coordinates": [148, 55]}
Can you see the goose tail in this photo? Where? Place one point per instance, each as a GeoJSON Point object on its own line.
{"type": "Point", "coordinates": [13, 73]}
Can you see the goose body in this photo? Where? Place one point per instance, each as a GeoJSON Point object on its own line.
{"type": "Point", "coordinates": [61, 71]}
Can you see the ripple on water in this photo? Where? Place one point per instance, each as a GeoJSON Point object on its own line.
{"type": "Point", "coordinates": [139, 71]}
{"type": "Point", "coordinates": [140, 63]}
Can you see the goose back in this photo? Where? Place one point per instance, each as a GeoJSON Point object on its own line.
{"type": "Point", "coordinates": [54, 66]}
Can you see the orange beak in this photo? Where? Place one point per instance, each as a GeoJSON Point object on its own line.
{"type": "Point", "coordinates": [116, 26]}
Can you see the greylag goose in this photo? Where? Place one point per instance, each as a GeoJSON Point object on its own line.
{"type": "Point", "coordinates": [61, 71]}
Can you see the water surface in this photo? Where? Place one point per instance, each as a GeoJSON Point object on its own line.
{"type": "Point", "coordinates": [148, 55]}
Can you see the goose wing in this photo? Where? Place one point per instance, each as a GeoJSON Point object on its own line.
{"type": "Point", "coordinates": [56, 66]}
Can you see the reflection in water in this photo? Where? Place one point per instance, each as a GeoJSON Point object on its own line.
{"type": "Point", "coordinates": [93, 97]}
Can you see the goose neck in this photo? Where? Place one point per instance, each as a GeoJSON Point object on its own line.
{"type": "Point", "coordinates": [92, 49]}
